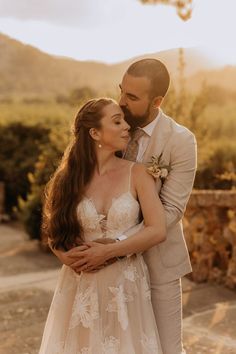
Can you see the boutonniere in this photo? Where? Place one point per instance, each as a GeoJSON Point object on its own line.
{"type": "Point", "coordinates": [157, 168]}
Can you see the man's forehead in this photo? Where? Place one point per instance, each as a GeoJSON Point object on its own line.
{"type": "Point", "coordinates": [139, 84]}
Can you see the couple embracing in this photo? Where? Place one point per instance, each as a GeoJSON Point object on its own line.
{"type": "Point", "coordinates": [115, 224]}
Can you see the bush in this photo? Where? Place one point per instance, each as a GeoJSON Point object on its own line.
{"type": "Point", "coordinates": [30, 209]}
{"type": "Point", "coordinates": [30, 214]}
{"type": "Point", "coordinates": [19, 149]}
{"type": "Point", "coordinates": [217, 166]}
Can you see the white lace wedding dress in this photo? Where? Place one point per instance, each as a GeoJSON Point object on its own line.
{"type": "Point", "coordinates": [109, 311]}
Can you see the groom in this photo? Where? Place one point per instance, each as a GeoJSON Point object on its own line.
{"type": "Point", "coordinates": [143, 89]}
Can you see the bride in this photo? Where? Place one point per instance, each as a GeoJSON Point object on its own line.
{"type": "Point", "coordinates": [96, 195]}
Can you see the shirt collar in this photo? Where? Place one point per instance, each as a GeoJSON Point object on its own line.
{"type": "Point", "coordinates": [148, 129]}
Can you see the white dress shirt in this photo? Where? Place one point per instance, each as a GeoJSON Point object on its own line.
{"type": "Point", "coordinates": [144, 140]}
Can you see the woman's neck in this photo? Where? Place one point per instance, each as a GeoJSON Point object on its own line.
{"type": "Point", "coordinates": [105, 162]}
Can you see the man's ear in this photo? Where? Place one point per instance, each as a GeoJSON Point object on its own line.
{"type": "Point", "coordinates": [93, 132]}
{"type": "Point", "coordinates": [157, 101]}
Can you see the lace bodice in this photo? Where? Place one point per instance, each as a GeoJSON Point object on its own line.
{"type": "Point", "coordinates": [122, 215]}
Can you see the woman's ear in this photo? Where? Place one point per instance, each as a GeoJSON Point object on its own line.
{"type": "Point", "coordinates": [94, 134]}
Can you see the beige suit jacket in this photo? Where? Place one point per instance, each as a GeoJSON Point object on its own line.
{"type": "Point", "coordinates": [170, 259]}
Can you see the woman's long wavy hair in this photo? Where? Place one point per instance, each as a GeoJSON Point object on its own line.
{"type": "Point", "coordinates": [67, 186]}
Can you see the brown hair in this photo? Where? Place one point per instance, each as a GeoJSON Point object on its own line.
{"type": "Point", "coordinates": [67, 186]}
{"type": "Point", "coordinates": [155, 71]}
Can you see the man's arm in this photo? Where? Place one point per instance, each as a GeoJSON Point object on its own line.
{"type": "Point", "coordinates": [177, 187]}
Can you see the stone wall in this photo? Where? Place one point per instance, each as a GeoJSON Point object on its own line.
{"type": "Point", "coordinates": [210, 230]}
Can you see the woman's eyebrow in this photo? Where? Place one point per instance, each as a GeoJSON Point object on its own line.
{"type": "Point", "coordinates": [116, 115]}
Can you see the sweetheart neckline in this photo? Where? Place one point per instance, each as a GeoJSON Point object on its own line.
{"type": "Point", "coordinates": [105, 217]}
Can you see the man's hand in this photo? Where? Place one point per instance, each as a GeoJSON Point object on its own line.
{"type": "Point", "coordinates": [92, 259]}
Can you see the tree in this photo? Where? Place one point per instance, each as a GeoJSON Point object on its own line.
{"type": "Point", "coordinates": [183, 7]}
{"type": "Point", "coordinates": [81, 94]}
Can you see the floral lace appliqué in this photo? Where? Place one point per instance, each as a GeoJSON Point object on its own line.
{"type": "Point", "coordinates": [131, 273]}
{"type": "Point", "coordinates": [85, 308]}
{"type": "Point", "coordinates": [58, 347]}
{"type": "Point", "coordinates": [118, 304]}
{"type": "Point", "coordinates": [149, 344]}
{"type": "Point", "coordinates": [110, 345]}
{"type": "Point", "coordinates": [145, 288]}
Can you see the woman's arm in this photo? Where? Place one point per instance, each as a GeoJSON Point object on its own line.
{"type": "Point", "coordinates": [154, 231]}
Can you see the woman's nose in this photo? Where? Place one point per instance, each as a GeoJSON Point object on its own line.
{"type": "Point", "coordinates": [127, 126]}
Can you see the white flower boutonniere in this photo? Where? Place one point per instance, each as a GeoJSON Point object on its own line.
{"type": "Point", "coordinates": [157, 168]}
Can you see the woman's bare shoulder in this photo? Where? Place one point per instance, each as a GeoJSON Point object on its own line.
{"type": "Point", "coordinates": [139, 168]}
{"type": "Point", "coordinates": [140, 173]}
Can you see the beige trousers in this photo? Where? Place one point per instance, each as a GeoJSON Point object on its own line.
{"type": "Point", "coordinates": [167, 306]}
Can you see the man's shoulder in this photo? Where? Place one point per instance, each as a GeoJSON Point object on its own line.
{"type": "Point", "coordinates": [178, 129]}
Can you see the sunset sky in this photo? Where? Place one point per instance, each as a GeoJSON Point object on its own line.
{"type": "Point", "coordinates": [115, 30]}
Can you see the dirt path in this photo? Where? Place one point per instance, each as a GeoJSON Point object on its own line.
{"type": "Point", "coordinates": [28, 277]}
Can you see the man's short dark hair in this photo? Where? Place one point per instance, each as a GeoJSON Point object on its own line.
{"type": "Point", "coordinates": [155, 71]}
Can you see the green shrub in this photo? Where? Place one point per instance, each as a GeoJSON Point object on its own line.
{"type": "Point", "coordinates": [19, 149]}
{"type": "Point", "coordinates": [30, 209]}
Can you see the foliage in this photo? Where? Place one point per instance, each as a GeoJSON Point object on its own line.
{"type": "Point", "coordinates": [30, 210]}
{"type": "Point", "coordinates": [183, 7]}
{"type": "Point", "coordinates": [77, 96]}
{"type": "Point", "coordinates": [48, 113]}
{"type": "Point", "coordinates": [214, 127]}
{"type": "Point", "coordinates": [217, 169]}
{"type": "Point", "coordinates": [210, 115]}
{"type": "Point", "coordinates": [19, 149]}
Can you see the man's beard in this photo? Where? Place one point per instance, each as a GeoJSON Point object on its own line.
{"type": "Point", "coordinates": [136, 121]}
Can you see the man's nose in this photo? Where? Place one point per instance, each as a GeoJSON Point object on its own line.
{"type": "Point", "coordinates": [122, 101]}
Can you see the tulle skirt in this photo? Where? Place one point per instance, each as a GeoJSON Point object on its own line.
{"type": "Point", "coordinates": [106, 312]}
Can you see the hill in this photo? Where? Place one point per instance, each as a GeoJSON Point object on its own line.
{"type": "Point", "coordinates": [26, 71]}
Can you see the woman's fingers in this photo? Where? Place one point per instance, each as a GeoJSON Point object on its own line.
{"type": "Point", "coordinates": [78, 263]}
{"type": "Point", "coordinates": [76, 251]}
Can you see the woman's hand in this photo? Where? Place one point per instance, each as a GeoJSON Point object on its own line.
{"type": "Point", "coordinates": [93, 258]}
{"type": "Point", "coordinates": [68, 257]}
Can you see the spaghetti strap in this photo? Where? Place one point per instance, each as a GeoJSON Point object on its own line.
{"type": "Point", "coordinates": [130, 170]}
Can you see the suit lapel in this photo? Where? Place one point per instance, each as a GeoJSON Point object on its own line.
{"type": "Point", "coordinates": [159, 137]}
